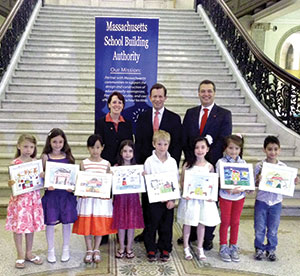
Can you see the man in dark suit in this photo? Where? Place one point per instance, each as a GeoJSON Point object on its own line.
{"type": "Point", "coordinates": [218, 125]}
{"type": "Point", "coordinates": [160, 118]}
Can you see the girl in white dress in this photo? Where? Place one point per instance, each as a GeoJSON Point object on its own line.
{"type": "Point", "coordinates": [196, 212]}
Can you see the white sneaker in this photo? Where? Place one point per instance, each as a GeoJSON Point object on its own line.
{"type": "Point", "coordinates": [201, 255]}
{"type": "Point", "coordinates": [51, 256]}
{"type": "Point", "coordinates": [65, 256]}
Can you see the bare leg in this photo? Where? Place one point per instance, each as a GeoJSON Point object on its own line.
{"type": "Point", "coordinates": [130, 236]}
{"type": "Point", "coordinates": [186, 235]}
{"type": "Point", "coordinates": [18, 243]}
{"type": "Point", "coordinates": [29, 243]}
{"type": "Point", "coordinates": [200, 235]}
{"type": "Point", "coordinates": [88, 242]}
{"type": "Point", "coordinates": [121, 234]}
{"type": "Point", "coordinates": [97, 242]}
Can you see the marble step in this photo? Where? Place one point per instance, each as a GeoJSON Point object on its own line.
{"type": "Point", "coordinates": [91, 48]}
{"type": "Point", "coordinates": [235, 108]}
{"type": "Point", "coordinates": [48, 124]}
{"type": "Point", "coordinates": [72, 42]}
{"type": "Point", "coordinates": [41, 134]}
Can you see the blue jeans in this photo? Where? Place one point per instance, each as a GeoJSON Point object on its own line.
{"type": "Point", "coordinates": [266, 218]}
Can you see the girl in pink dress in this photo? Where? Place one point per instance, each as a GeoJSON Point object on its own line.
{"type": "Point", "coordinates": [127, 212]}
{"type": "Point", "coordinates": [25, 211]}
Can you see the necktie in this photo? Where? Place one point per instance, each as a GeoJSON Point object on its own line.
{"type": "Point", "coordinates": [156, 122]}
{"type": "Point", "coordinates": [203, 120]}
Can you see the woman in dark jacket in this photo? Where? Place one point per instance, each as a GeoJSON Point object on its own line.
{"type": "Point", "coordinates": [113, 127]}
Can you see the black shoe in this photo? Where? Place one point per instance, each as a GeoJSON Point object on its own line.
{"type": "Point", "coordinates": [271, 256]}
{"type": "Point", "coordinates": [139, 238]}
{"type": "Point", "coordinates": [180, 241]}
{"type": "Point", "coordinates": [151, 256]}
{"type": "Point", "coordinates": [164, 256]}
{"type": "Point", "coordinates": [259, 254]}
{"type": "Point", "coordinates": [208, 245]}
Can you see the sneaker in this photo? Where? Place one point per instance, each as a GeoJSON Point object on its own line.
{"type": "Point", "coordinates": [65, 256]}
{"type": "Point", "coordinates": [271, 256]}
{"type": "Point", "coordinates": [234, 253]}
{"type": "Point", "coordinates": [200, 254]}
{"type": "Point", "coordinates": [225, 253]}
{"type": "Point", "coordinates": [51, 256]}
{"type": "Point", "coordinates": [259, 254]}
{"type": "Point", "coordinates": [164, 256]}
{"type": "Point", "coordinates": [151, 256]}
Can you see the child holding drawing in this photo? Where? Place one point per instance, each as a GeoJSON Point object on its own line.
{"type": "Point", "coordinates": [197, 212]}
{"type": "Point", "coordinates": [127, 213]}
{"type": "Point", "coordinates": [25, 212]}
{"type": "Point", "coordinates": [94, 214]}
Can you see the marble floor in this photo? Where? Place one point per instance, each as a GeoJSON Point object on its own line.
{"type": "Point", "coordinates": [287, 252]}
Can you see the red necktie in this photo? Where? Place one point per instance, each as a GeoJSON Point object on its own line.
{"type": "Point", "coordinates": [156, 122]}
{"type": "Point", "coordinates": [203, 120]}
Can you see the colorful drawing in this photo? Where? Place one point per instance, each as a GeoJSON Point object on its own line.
{"type": "Point", "coordinates": [236, 175]}
{"type": "Point", "coordinates": [162, 187]}
{"type": "Point", "coordinates": [93, 184]}
{"type": "Point", "coordinates": [128, 179]}
{"type": "Point", "coordinates": [61, 175]}
{"type": "Point", "coordinates": [27, 177]}
{"type": "Point", "coordinates": [200, 185]}
{"type": "Point", "coordinates": [278, 179]}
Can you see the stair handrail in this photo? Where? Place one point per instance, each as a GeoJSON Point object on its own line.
{"type": "Point", "coordinates": [276, 89]}
{"type": "Point", "coordinates": [12, 30]}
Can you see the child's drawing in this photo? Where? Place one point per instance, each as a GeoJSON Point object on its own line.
{"type": "Point", "coordinates": [236, 175]}
{"type": "Point", "coordinates": [27, 177]}
{"type": "Point", "coordinates": [278, 179]}
{"type": "Point", "coordinates": [128, 179]}
{"type": "Point", "coordinates": [200, 185]}
{"type": "Point", "coordinates": [60, 175]}
{"type": "Point", "coordinates": [162, 187]}
{"type": "Point", "coordinates": [93, 184]}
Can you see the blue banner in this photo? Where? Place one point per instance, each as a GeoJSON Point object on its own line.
{"type": "Point", "coordinates": [126, 61]}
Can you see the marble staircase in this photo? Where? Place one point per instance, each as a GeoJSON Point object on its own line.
{"type": "Point", "coordinates": [53, 83]}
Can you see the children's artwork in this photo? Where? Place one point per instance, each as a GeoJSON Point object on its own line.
{"type": "Point", "coordinates": [128, 179]}
{"type": "Point", "coordinates": [200, 185]}
{"type": "Point", "coordinates": [61, 175]}
{"type": "Point", "coordinates": [234, 175]}
{"type": "Point", "coordinates": [93, 184]}
{"type": "Point", "coordinates": [27, 177]}
{"type": "Point", "coordinates": [162, 187]}
{"type": "Point", "coordinates": [278, 179]}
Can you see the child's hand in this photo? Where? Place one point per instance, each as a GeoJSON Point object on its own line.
{"type": "Point", "coordinates": [187, 198]}
{"type": "Point", "coordinates": [210, 200]}
{"type": "Point", "coordinates": [250, 192]}
{"type": "Point", "coordinates": [10, 182]}
{"type": "Point", "coordinates": [296, 180]}
{"type": "Point", "coordinates": [69, 190]}
{"type": "Point", "coordinates": [170, 204]}
{"type": "Point", "coordinates": [237, 190]}
{"type": "Point", "coordinates": [42, 175]}
{"type": "Point", "coordinates": [51, 188]}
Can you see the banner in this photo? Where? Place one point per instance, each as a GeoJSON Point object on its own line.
{"type": "Point", "coordinates": [126, 61]}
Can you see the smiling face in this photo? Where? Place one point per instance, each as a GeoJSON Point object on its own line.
{"type": "Point", "coordinates": [95, 151]}
{"type": "Point", "coordinates": [233, 150]}
{"type": "Point", "coordinates": [116, 105]}
{"type": "Point", "coordinates": [57, 143]}
{"type": "Point", "coordinates": [26, 149]}
{"type": "Point", "coordinates": [201, 149]}
{"type": "Point", "coordinates": [127, 154]}
{"type": "Point", "coordinates": [158, 98]}
{"type": "Point", "coordinates": [206, 94]}
{"type": "Point", "coordinates": [272, 151]}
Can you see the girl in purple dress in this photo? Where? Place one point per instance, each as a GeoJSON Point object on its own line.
{"type": "Point", "coordinates": [59, 205]}
{"type": "Point", "coordinates": [127, 212]}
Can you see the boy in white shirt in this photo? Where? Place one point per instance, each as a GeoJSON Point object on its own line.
{"type": "Point", "coordinates": [161, 214]}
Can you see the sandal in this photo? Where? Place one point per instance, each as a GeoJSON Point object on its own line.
{"type": "Point", "coordinates": [187, 253]}
{"type": "Point", "coordinates": [36, 260]}
{"type": "Point", "coordinates": [130, 255]}
{"type": "Point", "coordinates": [88, 258]}
{"type": "Point", "coordinates": [20, 263]}
{"type": "Point", "coordinates": [97, 256]}
{"type": "Point", "coordinates": [201, 255]}
{"type": "Point", "coordinates": [120, 254]}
